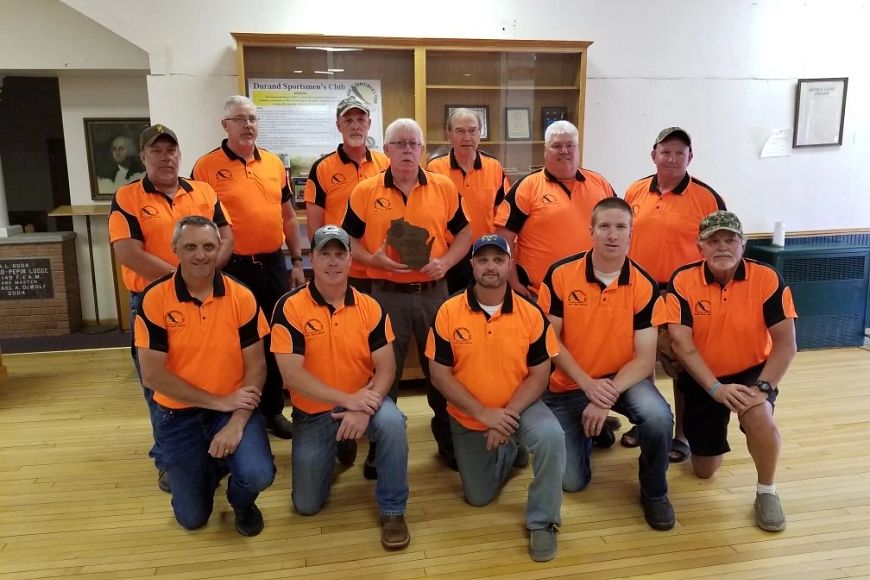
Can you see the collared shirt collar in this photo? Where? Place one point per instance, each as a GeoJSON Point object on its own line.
{"type": "Point", "coordinates": [506, 308]}
{"type": "Point", "coordinates": [184, 295]}
{"type": "Point", "coordinates": [232, 154]}
{"type": "Point", "coordinates": [740, 274]}
{"type": "Point", "coordinates": [388, 178]}
{"type": "Point", "coordinates": [478, 164]}
{"type": "Point", "coordinates": [550, 177]}
{"type": "Point", "coordinates": [345, 158]}
{"type": "Point", "coordinates": [553, 179]}
{"type": "Point", "coordinates": [680, 189]}
{"type": "Point", "coordinates": [149, 186]}
{"type": "Point", "coordinates": [624, 273]}
{"type": "Point", "coordinates": [318, 298]}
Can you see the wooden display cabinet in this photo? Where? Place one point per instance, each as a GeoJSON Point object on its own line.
{"type": "Point", "coordinates": [421, 77]}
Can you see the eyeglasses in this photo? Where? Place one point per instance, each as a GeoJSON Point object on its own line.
{"type": "Point", "coordinates": [403, 144]}
{"type": "Point", "coordinates": [465, 132]}
{"type": "Point", "coordinates": [241, 119]}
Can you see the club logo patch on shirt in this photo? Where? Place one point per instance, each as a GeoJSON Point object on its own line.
{"type": "Point", "coordinates": [461, 335]}
{"type": "Point", "coordinates": [549, 199]}
{"type": "Point", "coordinates": [338, 179]}
{"type": "Point", "coordinates": [313, 327]}
{"type": "Point", "coordinates": [175, 318]}
{"type": "Point", "coordinates": [149, 212]}
{"type": "Point", "coordinates": [224, 175]}
{"type": "Point", "coordinates": [382, 204]}
{"type": "Point", "coordinates": [702, 308]}
{"type": "Point", "coordinates": [577, 297]}
{"type": "Point", "coordinates": [635, 209]}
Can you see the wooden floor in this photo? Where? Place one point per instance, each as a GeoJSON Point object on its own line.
{"type": "Point", "coordinates": [78, 497]}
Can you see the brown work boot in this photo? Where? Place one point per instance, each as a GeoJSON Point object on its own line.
{"type": "Point", "coordinates": [394, 533]}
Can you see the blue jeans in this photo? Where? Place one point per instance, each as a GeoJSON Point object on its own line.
{"type": "Point", "coordinates": [483, 472]}
{"type": "Point", "coordinates": [645, 407]}
{"type": "Point", "coordinates": [154, 453]}
{"type": "Point", "coordinates": [313, 458]}
{"type": "Point", "coordinates": [185, 437]}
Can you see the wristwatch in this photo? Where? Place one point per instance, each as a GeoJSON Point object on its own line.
{"type": "Point", "coordinates": [295, 259]}
{"type": "Point", "coordinates": [765, 387]}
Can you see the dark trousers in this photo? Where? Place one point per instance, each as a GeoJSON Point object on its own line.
{"type": "Point", "coordinates": [411, 315]}
{"type": "Point", "coordinates": [266, 276]}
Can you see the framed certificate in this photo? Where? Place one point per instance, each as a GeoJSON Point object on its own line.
{"type": "Point", "coordinates": [517, 123]}
{"type": "Point", "coordinates": [820, 110]}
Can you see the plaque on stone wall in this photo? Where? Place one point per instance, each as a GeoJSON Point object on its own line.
{"type": "Point", "coordinates": [26, 279]}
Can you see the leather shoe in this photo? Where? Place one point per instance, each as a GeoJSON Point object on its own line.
{"type": "Point", "coordinates": [280, 426]}
{"type": "Point", "coordinates": [394, 532]}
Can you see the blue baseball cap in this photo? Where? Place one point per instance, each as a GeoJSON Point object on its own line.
{"type": "Point", "coordinates": [493, 240]}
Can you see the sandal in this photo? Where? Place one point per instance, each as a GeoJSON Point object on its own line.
{"type": "Point", "coordinates": [629, 438]}
{"type": "Point", "coordinates": [679, 451]}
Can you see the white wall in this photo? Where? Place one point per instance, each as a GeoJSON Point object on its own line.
{"type": "Point", "coordinates": [44, 36]}
{"type": "Point", "coordinates": [723, 69]}
{"type": "Point", "coordinates": [726, 71]}
{"type": "Point", "coordinates": [87, 96]}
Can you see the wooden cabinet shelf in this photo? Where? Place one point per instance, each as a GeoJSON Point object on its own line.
{"type": "Point", "coordinates": [424, 77]}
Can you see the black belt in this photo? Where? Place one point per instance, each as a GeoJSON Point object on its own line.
{"type": "Point", "coordinates": [406, 287]}
{"type": "Point", "coordinates": [255, 258]}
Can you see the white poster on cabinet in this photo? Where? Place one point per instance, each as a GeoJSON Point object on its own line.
{"type": "Point", "coordinates": [297, 116]}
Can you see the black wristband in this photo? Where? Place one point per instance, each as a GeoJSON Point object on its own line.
{"type": "Point", "coordinates": [295, 259]}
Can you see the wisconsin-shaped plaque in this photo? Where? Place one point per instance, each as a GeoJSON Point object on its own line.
{"type": "Point", "coordinates": [412, 243]}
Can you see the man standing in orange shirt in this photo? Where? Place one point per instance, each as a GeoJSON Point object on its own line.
{"type": "Point", "coordinates": [252, 184]}
{"type": "Point", "coordinates": [479, 178]}
{"type": "Point", "coordinates": [731, 321]}
{"type": "Point", "coordinates": [333, 176]}
{"type": "Point", "coordinates": [386, 211]}
{"type": "Point", "coordinates": [547, 212]}
{"type": "Point", "coordinates": [667, 206]}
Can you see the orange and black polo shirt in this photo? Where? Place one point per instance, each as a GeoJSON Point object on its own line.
{"type": "Point", "coordinates": [337, 343]}
{"type": "Point", "coordinates": [253, 192]}
{"type": "Point", "coordinates": [666, 224]}
{"type": "Point", "coordinates": [598, 322]}
{"type": "Point", "coordinates": [330, 181]}
{"type": "Point", "coordinates": [482, 189]}
{"type": "Point", "coordinates": [203, 340]}
{"type": "Point", "coordinates": [550, 220]}
{"type": "Point", "coordinates": [434, 204]}
{"type": "Point", "coordinates": [142, 212]}
{"type": "Point", "coordinates": [490, 355]}
{"type": "Point", "coordinates": [729, 324]}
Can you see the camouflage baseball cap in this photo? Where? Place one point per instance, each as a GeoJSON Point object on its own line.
{"type": "Point", "coordinates": [719, 220]}
{"type": "Point", "coordinates": [351, 102]}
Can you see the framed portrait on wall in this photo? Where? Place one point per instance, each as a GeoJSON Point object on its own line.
{"type": "Point", "coordinates": [820, 109]}
{"type": "Point", "coordinates": [482, 112]}
{"type": "Point", "coordinates": [113, 154]}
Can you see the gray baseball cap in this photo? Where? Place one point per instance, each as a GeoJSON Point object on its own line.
{"type": "Point", "coordinates": [328, 233]}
